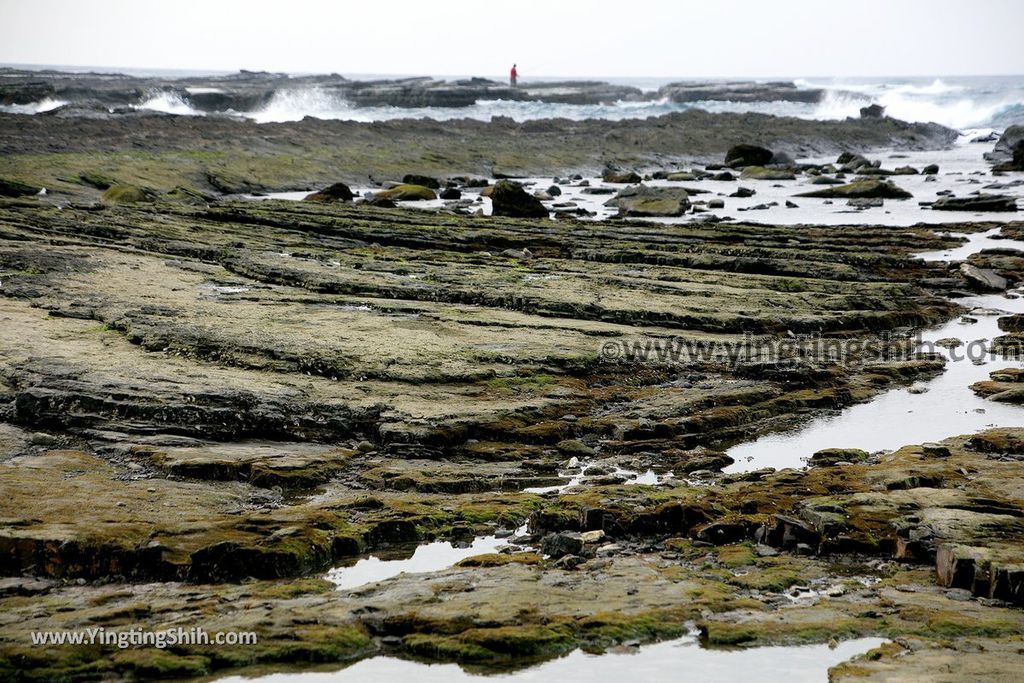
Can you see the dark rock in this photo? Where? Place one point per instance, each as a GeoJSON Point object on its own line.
{"type": "Point", "coordinates": [983, 278]}
{"type": "Point", "coordinates": [425, 181]}
{"type": "Point", "coordinates": [722, 533]}
{"type": "Point", "coordinates": [338, 192]}
{"type": "Point", "coordinates": [979, 202]}
{"type": "Point", "coordinates": [744, 91]}
{"type": "Point", "coordinates": [1016, 163]}
{"type": "Point", "coordinates": [861, 188]}
{"type": "Point", "coordinates": [1003, 151]}
{"type": "Point", "coordinates": [743, 192]}
{"type": "Point", "coordinates": [555, 191]}
{"type": "Point", "coordinates": [930, 169]}
{"type": "Point", "coordinates": [450, 193]}
{"type": "Point", "coordinates": [739, 156]}
{"type": "Point", "coordinates": [624, 177]}
{"type": "Point", "coordinates": [510, 199]}
{"type": "Point", "coordinates": [562, 543]}
{"type": "Point", "coordinates": [872, 111]}
{"type": "Point", "coordinates": [783, 531]}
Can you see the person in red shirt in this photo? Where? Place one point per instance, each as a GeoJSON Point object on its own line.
{"type": "Point", "coordinates": [513, 76]}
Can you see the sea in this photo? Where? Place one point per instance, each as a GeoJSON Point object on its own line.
{"type": "Point", "coordinates": [961, 102]}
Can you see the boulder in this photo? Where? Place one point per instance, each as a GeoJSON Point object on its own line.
{"type": "Point", "coordinates": [1011, 323]}
{"type": "Point", "coordinates": [978, 202]}
{"type": "Point", "coordinates": [623, 177]}
{"type": "Point", "coordinates": [404, 193]}
{"type": "Point", "coordinates": [868, 187]}
{"type": "Point", "coordinates": [1008, 141]}
{"type": "Point", "coordinates": [643, 201]}
{"type": "Point", "coordinates": [739, 156]}
{"type": "Point", "coordinates": [561, 544]}
{"type": "Point", "coordinates": [830, 456]}
{"type": "Point", "coordinates": [930, 169]}
{"type": "Point", "coordinates": [338, 192]}
{"type": "Point", "coordinates": [451, 193]}
{"type": "Point", "coordinates": [15, 188]}
{"type": "Point", "coordinates": [743, 193]}
{"type": "Point", "coordinates": [983, 278]}
{"type": "Point", "coordinates": [510, 199]}
{"type": "Point", "coordinates": [424, 180]}
{"type": "Point", "coordinates": [905, 170]}
{"type": "Point", "coordinates": [1017, 162]}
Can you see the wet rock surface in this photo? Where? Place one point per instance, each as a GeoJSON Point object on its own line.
{"type": "Point", "coordinates": [257, 392]}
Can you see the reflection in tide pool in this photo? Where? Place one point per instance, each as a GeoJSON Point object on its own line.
{"type": "Point", "coordinates": [675, 660]}
{"type": "Point", "coordinates": [430, 557]}
{"type": "Point", "coordinates": [899, 417]}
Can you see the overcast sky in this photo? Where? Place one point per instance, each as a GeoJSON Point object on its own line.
{"type": "Point", "coordinates": [659, 38]}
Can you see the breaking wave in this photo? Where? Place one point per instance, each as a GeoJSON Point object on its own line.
{"type": "Point", "coordinates": [33, 107]}
{"type": "Point", "coordinates": [168, 103]}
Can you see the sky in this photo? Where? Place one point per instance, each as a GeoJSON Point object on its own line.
{"type": "Point", "coordinates": [655, 38]}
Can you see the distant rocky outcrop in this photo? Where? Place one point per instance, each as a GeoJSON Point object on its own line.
{"type": "Point", "coordinates": [739, 91]}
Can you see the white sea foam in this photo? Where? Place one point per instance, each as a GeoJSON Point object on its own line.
{"type": "Point", "coordinates": [168, 103]}
{"type": "Point", "coordinates": [47, 104]}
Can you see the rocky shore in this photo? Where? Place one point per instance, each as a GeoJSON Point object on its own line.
{"type": "Point", "coordinates": [210, 407]}
{"type": "Point", "coordinates": [102, 94]}
{"type": "Point", "coordinates": [243, 395]}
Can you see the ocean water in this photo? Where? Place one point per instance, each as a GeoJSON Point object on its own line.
{"type": "Point", "coordinates": [975, 102]}
{"type": "Point", "coordinates": [960, 102]}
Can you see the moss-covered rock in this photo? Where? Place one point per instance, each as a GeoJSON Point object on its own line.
{"type": "Point", "coordinates": [125, 194]}
{"type": "Point", "coordinates": [644, 201]}
{"type": "Point", "coordinates": [404, 193]}
{"type": "Point", "coordinates": [15, 188]}
{"type": "Point", "coordinates": [867, 188]}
